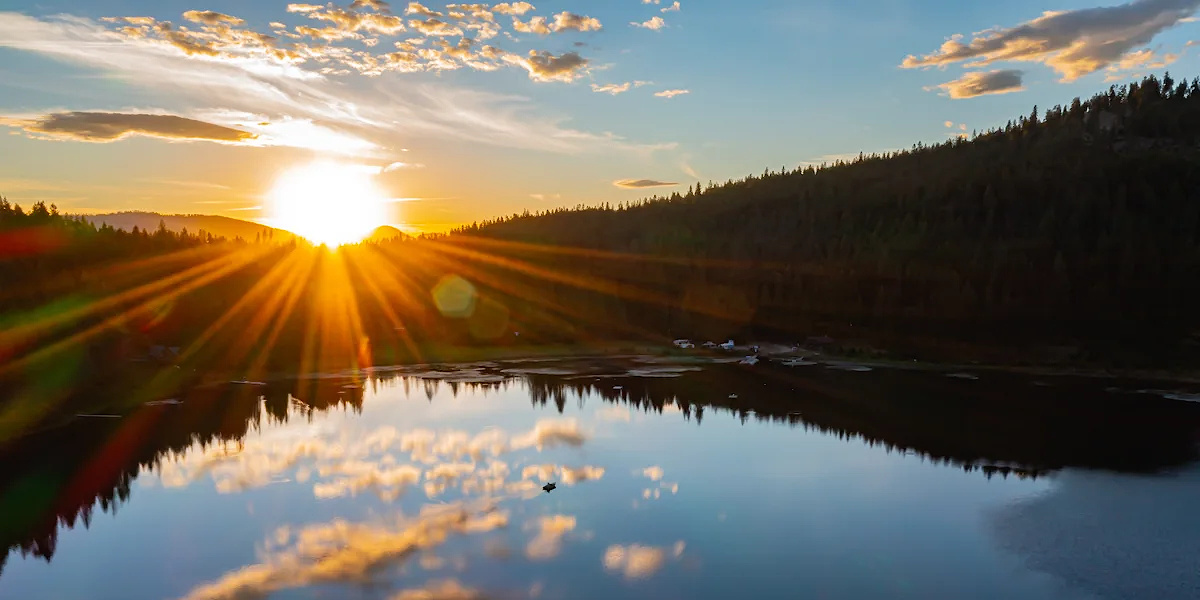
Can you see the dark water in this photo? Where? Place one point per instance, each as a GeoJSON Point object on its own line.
{"type": "Point", "coordinates": [812, 482]}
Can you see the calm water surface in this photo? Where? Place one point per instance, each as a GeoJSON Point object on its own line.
{"type": "Point", "coordinates": [673, 481]}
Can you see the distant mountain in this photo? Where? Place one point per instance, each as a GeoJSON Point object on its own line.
{"type": "Point", "coordinates": [218, 226]}
{"type": "Point", "coordinates": [385, 233]}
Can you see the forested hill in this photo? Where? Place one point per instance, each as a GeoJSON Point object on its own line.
{"type": "Point", "coordinates": [217, 225]}
{"type": "Point", "coordinates": [1084, 220]}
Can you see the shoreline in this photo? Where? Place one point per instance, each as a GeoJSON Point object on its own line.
{"type": "Point", "coordinates": [447, 356]}
{"type": "Point", "coordinates": [443, 355]}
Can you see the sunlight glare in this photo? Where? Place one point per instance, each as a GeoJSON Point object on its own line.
{"type": "Point", "coordinates": [328, 203]}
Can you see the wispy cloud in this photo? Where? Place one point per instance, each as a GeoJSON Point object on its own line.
{"type": "Point", "coordinates": [671, 93]}
{"type": "Point", "coordinates": [249, 86]}
{"type": "Point", "coordinates": [643, 183]}
{"type": "Point", "coordinates": [201, 185]}
{"type": "Point", "coordinates": [982, 83]}
{"type": "Point", "coordinates": [397, 166]}
{"type": "Point", "coordinates": [1072, 42]}
{"type": "Point", "coordinates": [611, 88]}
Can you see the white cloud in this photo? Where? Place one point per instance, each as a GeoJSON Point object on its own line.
{"type": "Point", "coordinates": [674, 7]}
{"type": "Point", "coordinates": [654, 23]}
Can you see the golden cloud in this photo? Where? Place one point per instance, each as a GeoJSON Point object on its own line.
{"type": "Point", "coordinates": [416, 8]}
{"type": "Point", "coordinates": [208, 17]}
{"type": "Point", "coordinates": [565, 21]}
{"type": "Point", "coordinates": [512, 8]}
{"type": "Point", "coordinates": [445, 589]}
{"type": "Point", "coordinates": [976, 84]}
{"type": "Point", "coordinates": [1073, 42]}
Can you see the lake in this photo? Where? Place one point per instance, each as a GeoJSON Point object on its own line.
{"type": "Point", "coordinates": [674, 479]}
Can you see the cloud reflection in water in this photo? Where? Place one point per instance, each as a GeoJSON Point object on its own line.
{"type": "Point", "coordinates": [342, 552]}
{"type": "Point", "coordinates": [638, 562]}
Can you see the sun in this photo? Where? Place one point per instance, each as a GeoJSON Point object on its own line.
{"type": "Point", "coordinates": [328, 203]}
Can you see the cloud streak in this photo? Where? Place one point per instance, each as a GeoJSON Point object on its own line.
{"type": "Point", "coordinates": [1073, 43]}
{"type": "Point", "coordinates": [634, 184]}
{"type": "Point", "coordinates": [611, 88]}
{"type": "Point", "coordinates": [110, 127]}
{"type": "Point", "coordinates": [671, 93]}
{"type": "Point", "coordinates": [972, 85]}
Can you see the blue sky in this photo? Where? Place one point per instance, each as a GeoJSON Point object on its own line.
{"type": "Point", "coordinates": [483, 132]}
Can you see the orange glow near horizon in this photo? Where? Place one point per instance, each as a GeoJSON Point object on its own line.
{"type": "Point", "coordinates": [328, 203]}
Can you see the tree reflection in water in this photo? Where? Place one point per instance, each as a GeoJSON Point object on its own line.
{"type": "Point", "coordinates": [1000, 425]}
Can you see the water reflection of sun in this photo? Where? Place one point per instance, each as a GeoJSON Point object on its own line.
{"type": "Point", "coordinates": [328, 203]}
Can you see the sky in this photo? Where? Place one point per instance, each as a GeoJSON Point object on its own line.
{"type": "Point", "coordinates": [463, 112]}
